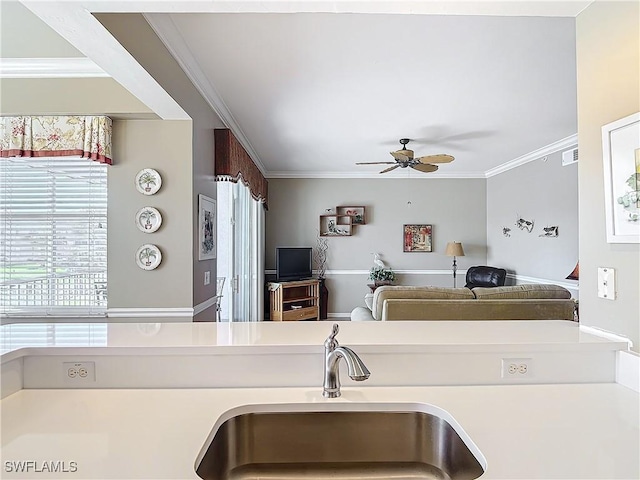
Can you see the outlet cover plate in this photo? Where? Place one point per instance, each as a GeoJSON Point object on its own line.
{"type": "Point", "coordinates": [517, 368]}
{"type": "Point", "coordinates": [79, 372]}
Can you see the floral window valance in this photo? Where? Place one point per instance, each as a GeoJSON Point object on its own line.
{"type": "Point", "coordinates": [233, 163]}
{"type": "Point", "coordinates": [55, 136]}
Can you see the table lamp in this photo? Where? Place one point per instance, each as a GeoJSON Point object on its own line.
{"type": "Point", "coordinates": [454, 249]}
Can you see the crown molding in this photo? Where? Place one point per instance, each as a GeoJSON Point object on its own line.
{"type": "Point", "coordinates": [391, 176]}
{"type": "Point", "coordinates": [570, 141]}
{"type": "Point", "coordinates": [170, 36]}
{"type": "Point", "coordinates": [71, 67]}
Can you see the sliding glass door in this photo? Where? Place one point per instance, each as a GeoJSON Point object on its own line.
{"type": "Point", "coordinates": [241, 253]}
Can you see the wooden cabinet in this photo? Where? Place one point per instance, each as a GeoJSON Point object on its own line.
{"type": "Point", "coordinates": [291, 301]}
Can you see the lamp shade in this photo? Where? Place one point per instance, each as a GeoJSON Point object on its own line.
{"type": "Point", "coordinates": [575, 275]}
{"type": "Point", "coordinates": [454, 249]}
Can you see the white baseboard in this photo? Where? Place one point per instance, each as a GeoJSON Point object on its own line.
{"type": "Point", "coordinates": [149, 312]}
{"type": "Point", "coordinates": [201, 307]}
{"type": "Point", "coordinates": [366, 272]}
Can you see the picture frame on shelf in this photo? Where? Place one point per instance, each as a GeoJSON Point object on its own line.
{"type": "Point", "coordinates": [357, 214]}
{"type": "Point", "coordinates": [206, 228]}
{"type": "Point", "coordinates": [417, 237]}
{"type": "Point", "coordinates": [621, 159]}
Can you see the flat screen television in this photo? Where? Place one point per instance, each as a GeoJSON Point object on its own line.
{"type": "Point", "coordinates": [293, 263]}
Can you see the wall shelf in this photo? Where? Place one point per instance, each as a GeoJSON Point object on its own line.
{"type": "Point", "coordinates": [341, 223]}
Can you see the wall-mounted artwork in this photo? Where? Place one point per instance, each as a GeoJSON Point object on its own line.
{"type": "Point", "coordinates": [550, 232]}
{"type": "Point", "coordinates": [506, 231]}
{"type": "Point", "coordinates": [526, 225]}
{"type": "Point", "coordinates": [148, 219]}
{"type": "Point", "coordinates": [206, 227]}
{"type": "Point", "coordinates": [148, 256]}
{"type": "Point", "coordinates": [148, 181]}
{"type": "Point", "coordinates": [417, 238]}
{"type": "Point", "coordinates": [621, 157]}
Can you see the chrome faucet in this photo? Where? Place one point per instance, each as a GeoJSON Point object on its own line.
{"type": "Point", "coordinates": [333, 352]}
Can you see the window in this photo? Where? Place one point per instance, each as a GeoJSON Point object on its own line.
{"type": "Point", "coordinates": [53, 237]}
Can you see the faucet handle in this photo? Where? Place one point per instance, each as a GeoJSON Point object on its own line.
{"type": "Point", "coordinates": [331, 343]}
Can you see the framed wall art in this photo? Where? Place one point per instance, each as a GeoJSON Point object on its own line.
{"type": "Point", "coordinates": [621, 157]}
{"type": "Point", "coordinates": [206, 227]}
{"type": "Point", "coordinates": [417, 238]}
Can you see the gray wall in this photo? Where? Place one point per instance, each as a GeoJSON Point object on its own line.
{"type": "Point", "coordinates": [455, 208]}
{"type": "Point", "coordinates": [91, 96]}
{"type": "Point", "coordinates": [543, 191]}
{"type": "Point", "coordinates": [608, 49]}
{"type": "Point", "coordinates": [135, 34]}
{"type": "Point", "coordinates": [166, 147]}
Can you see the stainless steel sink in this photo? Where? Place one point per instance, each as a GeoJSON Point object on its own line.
{"type": "Point", "coordinates": [338, 445]}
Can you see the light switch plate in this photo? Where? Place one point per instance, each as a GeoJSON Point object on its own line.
{"type": "Point", "coordinates": [607, 283]}
{"type": "Point", "coordinates": [207, 277]}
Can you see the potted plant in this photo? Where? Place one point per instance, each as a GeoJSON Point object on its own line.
{"type": "Point", "coordinates": [382, 275]}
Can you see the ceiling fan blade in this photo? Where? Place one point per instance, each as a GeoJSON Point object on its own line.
{"type": "Point", "coordinates": [375, 163]}
{"type": "Point", "coordinates": [441, 158]}
{"type": "Point", "coordinates": [390, 168]}
{"type": "Point", "coordinates": [424, 167]}
{"type": "Point", "coordinates": [402, 155]}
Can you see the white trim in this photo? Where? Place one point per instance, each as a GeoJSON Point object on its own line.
{"type": "Point", "coordinates": [366, 272]}
{"type": "Point", "coordinates": [598, 332]}
{"type": "Point", "coordinates": [560, 283]}
{"type": "Point", "coordinates": [75, 23]}
{"type": "Point", "coordinates": [77, 67]}
{"type": "Point", "coordinates": [170, 36]}
{"type": "Point", "coordinates": [567, 142]}
{"type": "Point", "coordinates": [563, 144]}
{"type": "Point", "coordinates": [201, 307]}
{"type": "Point", "coordinates": [149, 312]}
{"type": "Point", "coordinates": [628, 370]}
{"type": "Point", "coordinates": [359, 174]}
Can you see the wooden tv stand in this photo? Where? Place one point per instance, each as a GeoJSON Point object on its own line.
{"type": "Point", "coordinates": [291, 301]}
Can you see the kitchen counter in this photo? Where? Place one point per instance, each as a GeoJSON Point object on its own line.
{"type": "Point", "coordinates": [588, 431]}
{"type": "Point", "coordinates": [159, 389]}
{"type": "Point", "coordinates": [559, 335]}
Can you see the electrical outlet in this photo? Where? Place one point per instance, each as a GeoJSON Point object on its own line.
{"type": "Point", "coordinates": [514, 368]}
{"type": "Point", "coordinates": [79, 371]}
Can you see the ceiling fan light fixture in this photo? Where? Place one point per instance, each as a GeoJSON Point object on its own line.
{"type": "Point", "coordinates": [404, 158]}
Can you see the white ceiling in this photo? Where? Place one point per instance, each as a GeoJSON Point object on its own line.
{"type": "Point", "coordinates": [310, 94]}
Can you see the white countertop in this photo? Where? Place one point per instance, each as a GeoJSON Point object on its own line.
{"type": "Point", "coordinates": [467, 336]}
{"type": "Point", "coordinates": [588, 431]}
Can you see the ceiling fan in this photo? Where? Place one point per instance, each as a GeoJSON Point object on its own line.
{"type": "Point", "coordinates": [404, 158]}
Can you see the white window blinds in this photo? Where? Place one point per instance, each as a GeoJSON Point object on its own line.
{"type": "Point", "coordinates": [53, 237]}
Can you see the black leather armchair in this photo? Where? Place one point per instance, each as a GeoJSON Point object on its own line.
{"type": "Point", "coordinates": [483, 276]}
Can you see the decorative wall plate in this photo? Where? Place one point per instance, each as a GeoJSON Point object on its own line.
{"type": "Point", "coordinates": [148, 181]}
{"type": "Point", "coordinates": [148, 219]}
{"type": "Point", "coordinates": [148, 256]}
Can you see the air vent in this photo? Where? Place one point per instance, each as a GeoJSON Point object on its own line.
{"type": "Point", "coordinates": [569, 157]}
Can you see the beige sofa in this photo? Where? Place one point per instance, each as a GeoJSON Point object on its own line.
{"type": "Point", "coordinates": [517, 302]}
